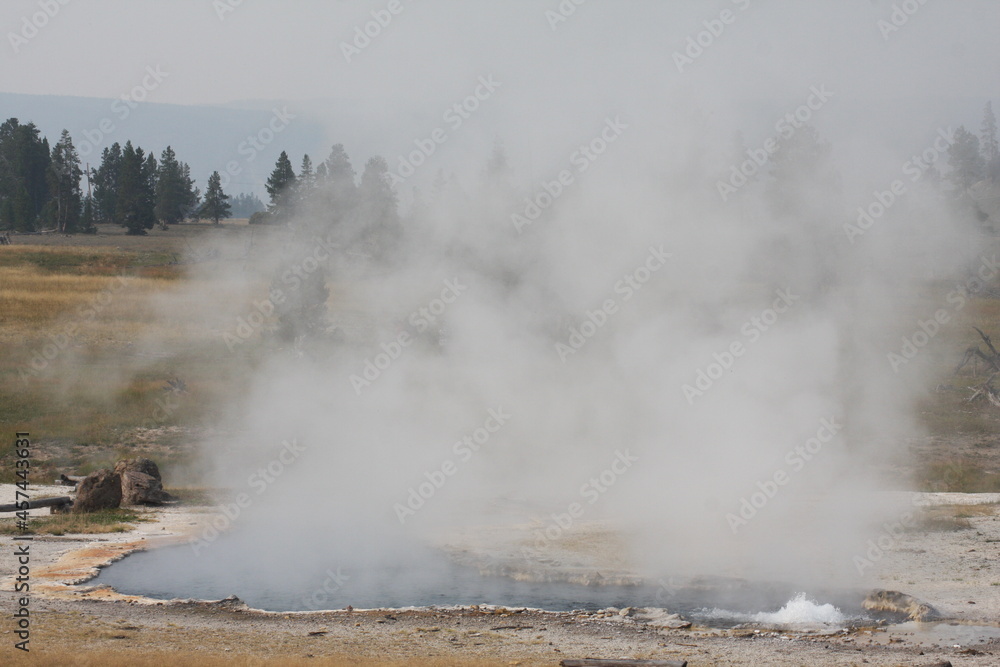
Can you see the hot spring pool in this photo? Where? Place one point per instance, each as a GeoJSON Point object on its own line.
{"type": "Point", "coordinates": [176, 572]}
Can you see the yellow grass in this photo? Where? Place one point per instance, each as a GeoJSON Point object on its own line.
{"type": "Point", "coordinates": [106, 521]}
{"type": "Point", "coordinates": [82, 350]}
{"type": "Point", "coordinates": [32, 298]}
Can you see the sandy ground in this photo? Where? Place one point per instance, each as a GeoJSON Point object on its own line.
{"type": "Point", "coordinates": [956, 570]}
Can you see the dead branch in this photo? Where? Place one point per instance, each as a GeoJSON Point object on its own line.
{"type": "Point", "coordinates": [67, 480]}
{"type": "Point", "coordinates": [973, 352]}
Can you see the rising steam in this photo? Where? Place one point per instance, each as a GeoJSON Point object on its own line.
{"type": "Point", "coordinates": [593, 329]}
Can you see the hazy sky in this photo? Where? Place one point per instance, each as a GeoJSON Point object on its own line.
{"type": "Point", "coordinates": [215, 52]}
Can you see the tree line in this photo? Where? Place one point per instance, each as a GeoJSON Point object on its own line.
{"type": "Point", "coordinates": [976, 158]}
{"type": "Point", "coordinates": [331, 187]}
{"type": "Point", "coordinates": [41, 187]}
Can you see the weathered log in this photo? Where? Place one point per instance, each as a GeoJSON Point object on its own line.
{"type": "Point", "coordinates": [141, 483]}
{"type": "Point", "coordinates": [598, 662]}
{"type": "Point", "coordinates": [67, 480]}
{"type": "Point", "coordinates": [100, 490]}
{"type": "Point", "coordinates": [35, 504]}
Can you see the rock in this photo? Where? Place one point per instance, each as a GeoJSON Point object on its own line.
{"type": "Point", "coordinates": [100, 490]}
{"type": "Point", "coordinates": [675, 622]}
{"type": "Point", "coordinates": [663, 619]}
{"type": "Point", "coordinates": [900, 603]}
{"type": "Point", "coordinates": [627, 611]}
{"type": "Point", "coordinates": [141, 485]}
{"type": "Point", "coordinates": [231, 603]}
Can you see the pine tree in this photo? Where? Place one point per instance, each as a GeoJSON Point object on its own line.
{"type": "Point", "coordinates": [216, 204]}
{"type": "Point", "coordinates": [989, 144]}
{"type": "Point", "coordinates": [174, 189]}
{"type": "Point", "coordinates": [64, 184]}
{"type": "Point", "coordinates": [193, 194]}
{"type": "Point", "coordinates": [136, 194]}
{"type": "Point", "coordinates": [322, 174]}
{"type": "Point", "coordinates": [107, 181]}
{"type": "Point", "coordinates": [149, 179]}
{"type": "Point", "coordinates": [965, 159]}
{"type": "Point", "coordinates": [281, 187]}
{"type": "Point", "coordinates": [306, 183]}
{"type": "Point", "coordinates": [24, 166]}
{"type": "Point", "coordinates": [340, 178]}
{"type": "Point", "coordinates": [378, 207]}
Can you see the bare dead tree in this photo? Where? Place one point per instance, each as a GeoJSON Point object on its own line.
{"type": "Point", "coordinates": [992, 359]}
{"type": "Point", "coordinates": [973, 353]}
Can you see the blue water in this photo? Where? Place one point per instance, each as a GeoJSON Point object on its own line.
{"type": "Point", "coordinates": [422, 578]}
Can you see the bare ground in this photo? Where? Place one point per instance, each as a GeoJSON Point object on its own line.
{"type": "Point", "coordinates": [72, 623]}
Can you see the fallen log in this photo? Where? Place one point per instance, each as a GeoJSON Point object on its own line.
{"type": "Point", "coordinates": [67, 480]}
{"type": "Point", "coordinates": [35, 504]}
{"type": "Point", "coordinates": [598, 662]}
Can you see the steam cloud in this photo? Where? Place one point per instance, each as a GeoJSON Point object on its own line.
{"type": "Point", "coordinates": [601, 332]}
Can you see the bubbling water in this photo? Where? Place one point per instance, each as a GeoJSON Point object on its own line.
{"type": "Point", "coordinates": [800, 610]}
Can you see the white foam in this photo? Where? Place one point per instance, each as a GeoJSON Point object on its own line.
{"type": "Point", "coordinates": [800, 610]}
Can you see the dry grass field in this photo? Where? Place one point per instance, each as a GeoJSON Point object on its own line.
{"type": "Point", "coordinates": [75, 372]}
{"type": "Point", "coordinates": [75, 312]}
